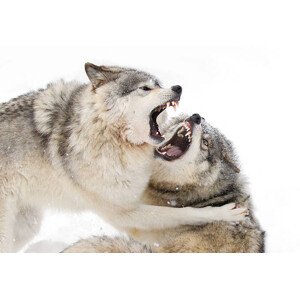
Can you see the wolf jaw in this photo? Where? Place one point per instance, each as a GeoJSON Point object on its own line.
{"type": "Point", "coordinates": [154, 129]}
{"type": "Point", "coordinates": [179, 143]}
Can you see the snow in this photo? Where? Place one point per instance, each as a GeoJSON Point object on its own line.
{"type": "Point", "coordinates": [250, 94]}
{"type": "Point", "coordinates": [62, 229]}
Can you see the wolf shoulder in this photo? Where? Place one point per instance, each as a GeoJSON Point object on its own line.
{"type": "Point", "coordinates": [26, 120]}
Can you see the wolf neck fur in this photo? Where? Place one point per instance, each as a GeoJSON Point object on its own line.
{"type": "Point", "coordinates": [207, 188]}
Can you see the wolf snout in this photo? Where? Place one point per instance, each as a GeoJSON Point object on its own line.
{"type": "Point", "coordinates": [177, 89]}
{"type": "Point", "coordinates": [196, 118]}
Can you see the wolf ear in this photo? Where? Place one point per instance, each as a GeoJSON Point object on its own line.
{"type": "Point", "coordinates": [100, 75]}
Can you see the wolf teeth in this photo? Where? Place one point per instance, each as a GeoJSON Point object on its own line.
{"type": "Point", "coordinates": [160, 108]}
{"type": "Point", "coordinates": [179, 133]}
{"type": "Point", "coordinates": [166, 147]}
{"type": "Point", "coordinates": [174, 104]}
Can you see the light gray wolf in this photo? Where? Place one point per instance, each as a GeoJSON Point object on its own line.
{"type": "Point", "coordinates": [196, 167]}
{"type": "Point", "coordinates": [77, 147]}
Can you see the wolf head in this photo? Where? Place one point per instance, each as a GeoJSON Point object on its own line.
{"type": "Point", "coordinates": [133, 98]}
{"type": "Point", "coordinates": [196, 155]}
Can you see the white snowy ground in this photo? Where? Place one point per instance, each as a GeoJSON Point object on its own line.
{"type": "Point", "coordinates": [250, 94]}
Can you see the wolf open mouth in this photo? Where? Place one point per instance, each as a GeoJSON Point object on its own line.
{"type": "Point", "coordinates": [178, 144]}
{"type": "Point", "coordinates": [154, 130]}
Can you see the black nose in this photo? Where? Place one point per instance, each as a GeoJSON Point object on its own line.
{"type": "Point", "coordinates": [196, 118]}
{"type": "Point", "coordinates": [177, 88]}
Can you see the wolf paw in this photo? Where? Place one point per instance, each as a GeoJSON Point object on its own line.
{"type": "Point", "coordinates": [233, 212]}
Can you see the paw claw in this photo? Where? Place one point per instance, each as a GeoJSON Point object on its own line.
{"type": "Point", "coordinates": [233, 212]}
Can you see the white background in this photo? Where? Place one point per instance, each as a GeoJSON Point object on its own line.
{"type": "Point", "coordinates": [243, 77]}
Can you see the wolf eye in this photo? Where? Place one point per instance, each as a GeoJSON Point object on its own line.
{"type": "Point", "coordinates": [205, 142]}
{"type": "Point", "coordinates": [145, 88]}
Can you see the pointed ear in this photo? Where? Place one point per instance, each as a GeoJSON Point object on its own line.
{"type": "Point", "coordinates": [100, 75]}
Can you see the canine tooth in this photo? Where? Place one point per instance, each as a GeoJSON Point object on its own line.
{"type": "Point", "coordinates": [181, 130]}
{"type": "Point", "coordinates": [166, 147]}
{"type": "Point", "coordinates": [179, 133]}
{"type": "Point", "coordinates": [168, 104]}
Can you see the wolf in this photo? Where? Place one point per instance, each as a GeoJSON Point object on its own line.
{"type": "Point", "coordinates": [196, 167]}
{"type": "Point", "coordinates": [75, 147]}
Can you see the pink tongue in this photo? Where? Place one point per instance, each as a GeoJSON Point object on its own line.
{"type": "Point", "coordinates": [174, 151]}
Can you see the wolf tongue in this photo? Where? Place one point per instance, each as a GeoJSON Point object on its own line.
{"type": "Point", "coordinates": [174, 151]}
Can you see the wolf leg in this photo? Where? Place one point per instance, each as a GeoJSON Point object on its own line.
{"type": "Point", "coordinates": [159, 217]}
{"type": "Point", "coordinates": [7, 219]}
{"type": "Point", "coordinates": [27, 225]}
